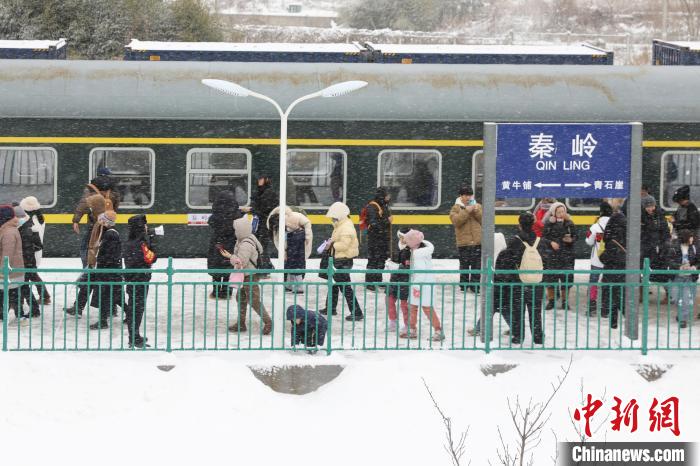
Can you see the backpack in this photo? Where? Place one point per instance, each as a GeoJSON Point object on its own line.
{"type": "Point", "coordinates": [364, 221]}
{"type": "Point", "coordinates": [108, 198]}
{"type": "Point", "coordinates": [531, 260]}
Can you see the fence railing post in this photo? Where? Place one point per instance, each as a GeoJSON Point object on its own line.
{"type": "Point", "coordinates": [486, 326]}
{"type": "Point", "coordinates": [5, 299]}
{"type": "Point", "coordinates": [329, 303]}
{"type": "Point", "coordinates": [646, 278]}
{"type": "Point", "coordinates": [169, 339]}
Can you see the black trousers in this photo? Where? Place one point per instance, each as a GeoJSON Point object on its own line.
{"type": "Point", "coordinates": [27, 296]}
{"type": "Point", "coordinates": [221, 284]}
{"type": "Point", "coordinates": [39, 284]}
{"type": "Point", "coordinates": [526, 298]}
{"type": "Point", "coordinates": [377, 255]}
{"type": "Point", "coordinates": [613, 297]}
{"type": "Point", "coordinates": [263, 235]}
{"type": "Point", "coordinates": [136, 296]}
{"type": "Point", "coordinates": [347, 290]}
{"type": "Point", "coordinates": [13, 301]}
{"type": "Point", "coordinates": [469, 258]}
{"type": "Point", "coordinates": [110, 295]}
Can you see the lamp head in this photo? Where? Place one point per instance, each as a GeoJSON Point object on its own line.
{"type": "Point", "coordinates": [227, 87]}
{"type": "Point", "coordinates": [340, 89]}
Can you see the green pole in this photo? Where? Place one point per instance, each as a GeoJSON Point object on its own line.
{"type": "Point", "coordinates": [486, 326]}
{"type": "Point", "coordinates": [646, 277]}
{"type": "Point", "coordinates": [169, 340]}
{"type": "Point", "coordinates": [329, 302]}
{"type": "Point", "coordinates": [5, 299]}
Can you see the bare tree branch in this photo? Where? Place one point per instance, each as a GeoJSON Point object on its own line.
{"type": "Point", "coordinates": [455, 450]}
{"type": "Point", "coordinates": [529, 422]}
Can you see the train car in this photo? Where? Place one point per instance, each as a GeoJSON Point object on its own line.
{"type": "Point", "coordinates": [583, 54]}
{"type": "Point", "coordinates": [246, 52]}
{"type": "Point", "coordinates": [675, 53]}
{"type": "Point", "coordinates": [173, 143]}
{"type": "Point", "coordinates": [33, 49]}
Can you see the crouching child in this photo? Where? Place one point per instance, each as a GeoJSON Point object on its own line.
{"type": "Point", "coordinates": [308, 327]}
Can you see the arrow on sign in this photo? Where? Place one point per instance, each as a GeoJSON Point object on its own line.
{"type": "Point", "coordinates": [548, 185]}
{"type": "Point", "coordinates": [578, 185]}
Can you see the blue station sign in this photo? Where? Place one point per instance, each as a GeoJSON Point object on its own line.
{"type": "Point", "coordinates": [563, 160]}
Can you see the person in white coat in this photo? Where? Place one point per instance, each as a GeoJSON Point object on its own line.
{"type": "Point", "coordinates": [421, 291]}
{"type": "Point", "coordinates": [32, 208]}
{"type": "Point", "coordinates": [594, 238]}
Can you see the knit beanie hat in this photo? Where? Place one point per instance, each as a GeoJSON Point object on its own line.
{"type": "Point", "coordinates": [413, 238]}
{"type": "Point", "coordinates": [19, 212]}
{"type": "Point", "coordinates": [7, 213]}
{"type": "Point", "coordinates": [648, 201]}
{"type": "Point", "coordinates": [30, 204]}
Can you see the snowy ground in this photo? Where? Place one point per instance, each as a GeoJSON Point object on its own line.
{"type": "Point", "coordinates": [117, 409]}
{"type": "Point", "coordinates": [199, 322]}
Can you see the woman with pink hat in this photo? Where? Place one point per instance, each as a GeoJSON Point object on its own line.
{"type": "Point", "coordinates": [421, 292]}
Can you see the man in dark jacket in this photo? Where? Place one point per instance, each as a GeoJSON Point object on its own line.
{"type": "Point", "coordinates": [378, 235]}
{"type": "Point", "coordinates": [138, 253]}
{"type": "Point", "coordinates": [655, 237]}
{"type": "Point", "coordinates": [513, 300]}
{"type": "Point", "coordinates": [109, 256]}
{"type": "Point", "coordinates": [30, 244]}
{"type": "Point", "coordinates": [614, 258]}
{"type": "Point", "coordinates": [308, 327]}
{"type": "Point", "coordinates": [686, 217]}
{"type": "Point", "coordinates": [224, 211]}
{"type": "Point", "coordinates": [264, 202]}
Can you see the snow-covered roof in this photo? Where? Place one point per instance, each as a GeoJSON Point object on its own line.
{"type": "Point", "coordinates": [32, 44]}
{"type": "Point", "coordinates": [138, 45]}
{"type": "Point", "coordinates": [686, 44]}
{"type": "Point", "coordinates": [582, 49]}
{"type": "Point", "coordinates": [173, 90]}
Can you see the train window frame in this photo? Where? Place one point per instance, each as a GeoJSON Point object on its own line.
{"type": "Point", "coordinates": [582, 209]}
{"type": "Point", "coordinates": [345, 173]}
{"type": "Point", "coordinates": [438, 203]}
{"type": "Point", "coordinates": [220, 150]}
{"type": "Point", "coordinates": [480, 152]}
{"type": "Point", "coordinates": [152, 174]}
{"type": "Point", "coordinates": [662, 173]}
{"type": "Point", "coordinates": [55, 169]}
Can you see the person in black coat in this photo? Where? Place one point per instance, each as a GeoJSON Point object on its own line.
{"type": "Point", "coordinates": [682, 255]}
{"type": "Point", "coordinates": [686, 217]}
{"type": "Point", "coordinates": [31, 243]}
{"type": "Point", "coordinates": [308, 327]}
{"type": "Point", "coordinates": [378, 235]}
{"type": "Point", "coordinates": [222, 237]}
{"type": "Point", "coordinates": [263, 203]}
{"type": "Point", "coordinates": [513, 300]}
{"type": "Point", "coordinates": [138, 253]}
{"type": "Point", "coordinates": [560, 238]}
{"type": "Point", "coordinates": [614, 258]}
{"type": "Point", "coordinates": [109, 256]}
{"type": "Point", "coordinates": [655, 237]}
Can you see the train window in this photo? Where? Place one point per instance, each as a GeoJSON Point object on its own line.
{"type": "Point", "coordinates": [315, 177]}
{"type": "Point", "coordinates": [211, 171]}
{"type": "Point", "coordinates": [413, 177]}
{"type": "Point", "coordinates": [583, 203]}
{"type": "Point", "coordinates": [28, 171]}
{"type": "Point", "coordinates": [679, 168]}
{"type": "Point", "coordinates": [132, 169]}
{"type": "Point", "coordinates": [513, 203]}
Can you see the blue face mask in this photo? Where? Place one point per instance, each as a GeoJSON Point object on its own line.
{"type": "Point", "coordinates": [22, 221]}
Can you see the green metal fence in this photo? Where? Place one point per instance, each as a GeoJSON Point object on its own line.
{"type": "Point", "coordinates": [181, 313]}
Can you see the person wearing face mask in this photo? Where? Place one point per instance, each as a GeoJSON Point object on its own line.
{"type": "Point", "coordinates": [345, 247]}
{"type": "Point", "coordinates": [263, 203]}
{"type": "Point", "coordinates": [11, 247]}
{"type": "Point", "coordinates": [465, 216]}
{"type": "Point", "coordinates": [560, 237]}
{"type": "Point", "coordinates": [30, 244]}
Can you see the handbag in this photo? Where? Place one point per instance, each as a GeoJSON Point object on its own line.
{"type": "Point", "coordinates": [325, 255]}
{"type": "Point", "coordinates": [236, 279]}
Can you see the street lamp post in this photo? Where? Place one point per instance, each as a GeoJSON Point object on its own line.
{"type": "Point", "coordinates": [236, 90]}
